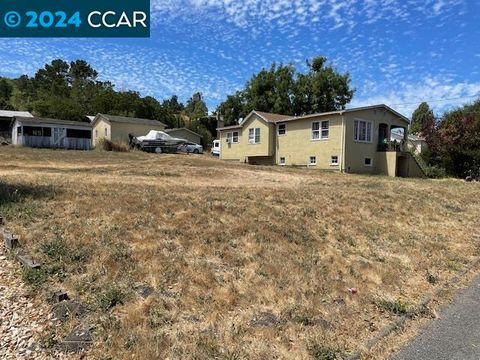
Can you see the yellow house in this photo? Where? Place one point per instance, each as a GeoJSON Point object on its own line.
{"type": "Point", "coordinates": [118, 128]}
{"type": "Point", "coordinates": [354, 140]}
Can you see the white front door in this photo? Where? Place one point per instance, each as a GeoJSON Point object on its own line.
{"type": "Point", "coordinates": [59, 135]}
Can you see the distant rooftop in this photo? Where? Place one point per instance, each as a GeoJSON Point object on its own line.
{"type": "Point", "coordinates": [44, 121]}
{"type": "Point", "coordinates": [130, 120]}
{"type": "Point", "coordinates": [11, 114]}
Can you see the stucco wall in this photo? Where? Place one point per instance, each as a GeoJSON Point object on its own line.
{"type": "Point", "coordinates": [98, 132]}
{"type": "Point", "coordinates": [356, 152]}
{"type": "Point", "coordinates": [297, 146]}
{"type": "Point", "coordinates": [242, 150]}
{"type": "Point", "coordinates": [386, 163]}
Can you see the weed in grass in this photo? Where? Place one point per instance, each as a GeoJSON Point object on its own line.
{"type": "Point", "coordinates": [111, 297]}
{"type": "Point", "coordinates": [207, 348]}
{"type": "Point", "coordinates": [323, 352]}
{"type": "Point", "coordinates": [396, 307]}
{"type": "Point", "coordinates": [49, 338]}
{"type": "Point", "coordinates": [158, 317]}
{"type": "Point", "coordinates": [35, 277]}
{"type": "Point", "coordinates": [231, 355]}
{"type": "Point", "coordinates": [432, 278]}
{"type": "Point", "coordinates": [55, 249]}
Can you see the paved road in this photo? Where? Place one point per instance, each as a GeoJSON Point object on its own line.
{"type": "Point", "coordinates": [454, 336]}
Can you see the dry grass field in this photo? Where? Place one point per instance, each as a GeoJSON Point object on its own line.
{"type": "Point", "coordinates": [246, 262]}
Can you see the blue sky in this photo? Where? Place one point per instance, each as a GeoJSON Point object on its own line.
{"type": "Point", "coordinates": [398, 52]}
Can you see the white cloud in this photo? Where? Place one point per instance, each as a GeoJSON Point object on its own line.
{"type": "Point", "coordinates": [440, 95]}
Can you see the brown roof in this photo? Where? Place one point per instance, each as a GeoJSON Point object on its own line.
{"type": "Point", "coordinates": [131, 120]}
{"type": "Point", "coordinates": [278, 118]}
{"type": "Point", "coordinates": [272, 117]}
{"type": "Point", "coordinates": [44, 121]}
{"type": "Point", "coordinates": [230, 127]}
{"type": "Point", "coordinates": [341, 112]}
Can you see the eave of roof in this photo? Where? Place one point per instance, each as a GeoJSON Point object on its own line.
{"type": "Point", "coordinates": [11, 114]}
{"type": "Point", "coordinates": [230, 127]}
{"type": "Point", "coordinates": [271, 117]}
{"type": "Point", "coordinates": [45, 121]}
{"type": "Point", "coordinates": [341, 112]}
{"type": "Point", "coordinates": [128, 120]}
{"type": "Point", "coordinates": [178, 129]}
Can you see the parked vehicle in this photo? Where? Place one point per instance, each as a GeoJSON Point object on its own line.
{"type": "Point", "coordinates": [216, 148]}
{"type": "Point", "coordinates": [156, 141]}
{"type": "Point", "coordinates": [191, 148]}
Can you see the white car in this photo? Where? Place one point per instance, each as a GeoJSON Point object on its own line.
{"type": "Point", "coordinates": [191, 148]}
{"type": "Point", "coordinates": [216, 148]}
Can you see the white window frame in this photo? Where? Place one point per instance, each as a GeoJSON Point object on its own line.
{"type": "Point", "coordinates": [310, 163]}
{"type": "Point", "coordinates": [323, 130]}
{"type": "Point", "coordinates": [336, 163]}
{"type": "Point", "coordinates": [368, 139]}
{"type": "Point", "coordinates": [365, 162]}
{"type": "Point", "coordinates": [253, 134]}
{"type": "Point", "coordinates": [282, 161]}
{"type": "Point", "coordinates": [285, 131]}
{"type": "Point", "coordinates": [232, 138]}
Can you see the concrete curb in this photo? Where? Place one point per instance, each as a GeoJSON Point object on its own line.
{"type": "Point", "coordinates": [389, 329]}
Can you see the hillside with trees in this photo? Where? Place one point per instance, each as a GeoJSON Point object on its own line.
{"type": "Point", "coordinates": [70, 91]}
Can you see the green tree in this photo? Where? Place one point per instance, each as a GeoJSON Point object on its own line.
{"type": "Point", "coordinates": [281, 89]}
{"type": "Point", "coordinates": [271, 90]}
{"type": "Point", "coordinates": [456, 141]}
{"type": "Point", "coordinates": [172, 110]}
{"type": "Point", "coordinates": [423, 120]}
{"type": "Point", "coordinates": [326, 89]}
{"type": "Point", "coordinates": [6, 91]}
{"type": "Point", "coordinates": [232, 109]}
{"type": "Point", "coordinates": [24, 93]}
{"type": "Point", "coordinates": [81, 70]}
{"type": "Point", "coordinates": [58, 107]}
{"type": "Point", "coordinates": [53, 78]}
{"type": "Point", "coordinates": [196, 107]}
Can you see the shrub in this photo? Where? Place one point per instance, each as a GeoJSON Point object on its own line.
{"type": "Point", "coordinates": [107, 145]}
{"type": "Point", "coordinates": [396, 307]}
{"type": "Point", "coordinates": [111, 297]}
{"type": "Point", "coordinates": [34, 277]}
{"type": "Point", "coordinates": [435, 172]}
{"type": "Point", "coordinates": [432, 278]}
{"type": "Point", "coordinates": [55, 249]}
{"type": "Point", "coordinates": [322, 352]}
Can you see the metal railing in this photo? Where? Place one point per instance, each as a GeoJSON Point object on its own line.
{"type": "Point", "coordinates": [399, 146]}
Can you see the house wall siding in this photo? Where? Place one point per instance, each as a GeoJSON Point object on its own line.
{"type": "Point", "coordinates": [356, 152]}
{"type": "Point", "coordinates": [98, 131]}
{"type": "Point", "coordinates": [242, 150]}
{"type": "Point", "coordinates": [297, 145]}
